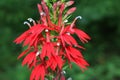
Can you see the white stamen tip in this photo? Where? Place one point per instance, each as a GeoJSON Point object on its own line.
{"type": "Point", "coordinates": [42, 13]}
{"type": "Point", "coordinates": [66, 21]}
{"type": "Point", "coordinates": [46, 79]}
{"type": "Point", "coordinates": [37, 53]}
{"type": "Point", "coordinates": [46, 30]}
{"type": "Point", "coordinates": [75, 45]}
{"type": "Point", "coordinates": [30, 19]}
{"type": "Point", "coordinates": [68, 33]}
{"type": "Point", "coordinates": [79, 17]}
{"type": "Point", "coordinates": [25, 22]}
{"type": "Point", "coordinates": [63, 72]}
{"type": "Point", "coordinates": [58, 44]}
{"type": "Point", "coordinates": [69, 78]}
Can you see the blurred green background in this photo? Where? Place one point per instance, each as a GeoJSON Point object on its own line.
{"type": "Point", "coordinates": [101, 20]}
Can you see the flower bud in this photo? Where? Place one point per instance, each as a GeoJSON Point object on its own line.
{"type": "Point", "coordinates": [69, 3]}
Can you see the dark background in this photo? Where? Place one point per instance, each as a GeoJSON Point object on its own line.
{"type": "Point", "coordinates": [101, 20]}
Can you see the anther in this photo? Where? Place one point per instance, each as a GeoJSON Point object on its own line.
{"type": "Point", "coordinates": [68, 33]}
{"type": "Point", "coordinates": [46, 79]}
{"type": "Point", "coordinates": [58, 44]}
{"type": "Point", "coordinates": [78, 17]}
{"type": "Point", "coordinates": [37, 53]}
{"type": "Point", "coordinates": [63, 72]}
{"type": "Point", "coordinates": [46, 30]}
{"type": "Point", "coordinates": [31, 20]}
{"type": "Point", "coordinates": [42, 13]}
{"type": "Point", "coordinates": [75, 45]}
{"type": "Point", "coordinates": [69, 78]}
{"type": "Point", "coordinates": [27, 24]}
{"type": "Point", "coordinates": [66, 21]}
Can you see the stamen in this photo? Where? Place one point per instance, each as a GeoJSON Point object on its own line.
{"type": "Point", "coordinates": [58, 44]}
{"type": "Point", "coordinates": [66, 21]}
{"type": "Point", "coordinates": [78, 17]}
{"type": "Point", "coordinates": [63, 72]}
{"type": "Point", "coordinates": [42, 13]}
{"type": "Point", "coordinates": [69, 78]}
{"type": "Point", "coordinates": [75, 45]}
{"type": "Point", "coordinates": [68, 33]}
{"type": "Point", "coordinates": [37, 53]}
{"type": "Point", "coordinates": [46, 30]}
{"type": "Point", "coordinates": [27, 24]}
{"type": "Point", "coordinates": [31, 20]}
{"type": "Point", "coordinates": [46, 79]}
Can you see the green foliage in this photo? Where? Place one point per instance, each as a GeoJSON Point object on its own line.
{"type": "Point", "coordinates": [103, 24]}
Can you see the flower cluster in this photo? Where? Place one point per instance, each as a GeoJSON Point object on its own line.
{"type": "Point", "coordinates": [50, 42]}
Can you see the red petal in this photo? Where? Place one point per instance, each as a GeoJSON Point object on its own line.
{"type": "Point", "coordinates": [23, 53]}
{"type": "Point", "coordinates": [22, 37]}
{"type": "Point", "coordinates": [59, 61]}
{"type": "Point", "coordinates": [47, 50]}
{"type": "Point", "coordinates": [29, 58]}
{"type": "Point", "coordinates": [70, 40]}
{"type": "Point", "coordinates": [33, 74]}
{"type": "Point", "coordinates": [71, 10]}
{"type": "Point", "coordinates": [82, 35]}
{"type": "Point", "coordinates": [38, 73]}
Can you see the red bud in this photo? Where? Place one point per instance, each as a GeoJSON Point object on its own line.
{"type": "Point", "coordinates": [69, 3]}
{"type": "Point", "coordinates": [71, 10]}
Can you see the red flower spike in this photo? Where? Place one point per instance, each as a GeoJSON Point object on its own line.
{"type": "Point", "coordinates": [51, 43]}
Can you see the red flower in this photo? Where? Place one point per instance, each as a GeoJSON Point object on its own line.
{"type": "Point", "coordinates": [32, 36]}
{"type": "Point", "coordinates": [38, 72]}
{"type": "Point", "coordinates": [55, 61]}
{"type": "Point", "coordinates": [66, 38]}
{"type": "Point", "coordinates": [75, 55]}
{"type": "Point", "coordinates": [82, 35]}
{"type": "Point", "coordinates": [47, 50]}
{"type": "Point", "coordinates": [30, 59]}
{"type": "Point", "coordinates": [23, 53]}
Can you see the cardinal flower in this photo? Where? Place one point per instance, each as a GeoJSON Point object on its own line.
{"type": "Point", "coordinates": [38, 72]}
{"type": "Point", "coordinates": [50, 42]}
{"type": "Point", "coordinates": [47, 50]}
{"type": "Point", "coordinates": [54, 62]}
{"type": "Point", "coordinates": [75, 56]}
{"type": "Point", "coordinates": [32, 36]}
